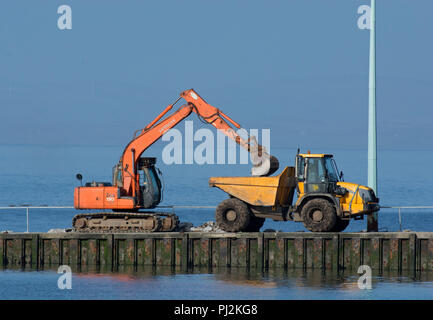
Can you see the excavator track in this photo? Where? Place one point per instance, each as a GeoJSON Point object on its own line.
{"type": "Point", "coordinates": [114, 222]}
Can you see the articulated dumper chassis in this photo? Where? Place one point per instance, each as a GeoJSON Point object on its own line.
{"type": "Point", "coordinates": [324, 203]}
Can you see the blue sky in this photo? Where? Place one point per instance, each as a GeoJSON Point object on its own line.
{"type": "Point", "coordinates": [297, 67]}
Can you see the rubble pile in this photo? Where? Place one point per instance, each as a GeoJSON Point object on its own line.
{"type": "Point", "coordinates": [57, 230]}
{"type": "Point", "coordinates": [209, 226]}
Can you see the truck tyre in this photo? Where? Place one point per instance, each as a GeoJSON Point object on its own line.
{"type": "Point", "coordinates": [255, 224]}
{"type": "Point", "coordinates": [340, 225]}
{"type": "Point", "coordinates": [233, 215]}
{"type": "Point", "coordinates": [319, 215]}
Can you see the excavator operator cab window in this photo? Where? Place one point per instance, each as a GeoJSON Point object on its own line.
{"type": "Point", "coordinates": [117, 175]}
{"type": "Point", "coordinates": [144, 184]}
{"type": "Point", "coordinates": [150, 185]}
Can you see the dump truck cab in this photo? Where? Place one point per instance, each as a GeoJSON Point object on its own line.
{"type": "Point", "coordinates": [316, 173]}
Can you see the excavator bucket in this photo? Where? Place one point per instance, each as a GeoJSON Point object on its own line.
{"type": "Point", "coordinates": [263, 163]}
{"type": "Point", "coordinates": [259, 191]}
{"type": "Point", "coordinates": [266, 167]}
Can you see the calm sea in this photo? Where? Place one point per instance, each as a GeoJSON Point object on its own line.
{"type": "Point", "coordinates": [42, 175]}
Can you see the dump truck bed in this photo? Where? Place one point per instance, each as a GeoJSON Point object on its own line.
{"type": "Point", "coordinates": [259, 191]}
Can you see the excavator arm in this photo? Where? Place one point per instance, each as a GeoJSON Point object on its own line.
{"type": "Point", "coordinates": [264, 164]}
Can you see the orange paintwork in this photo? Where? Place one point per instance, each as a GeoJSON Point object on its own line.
{"type": "Point", "coordinates": [100, 198]}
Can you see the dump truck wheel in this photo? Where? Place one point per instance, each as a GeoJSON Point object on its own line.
{"type": "Point", "coordinates": [319, 215]}
{"type": "Point", "coordinates": [233, 215]}
{"type": "Point", "coordinates": [340, 225]}
{"type": "Point", "coordinates": [255, 224]}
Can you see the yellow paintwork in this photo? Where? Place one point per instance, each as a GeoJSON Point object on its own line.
{"type": "Point", "coordinates": [259, 191]}
{"type": "Point", "coordinates": [301, 187]}
{"type": "Point", "coordinates": [357, 202]}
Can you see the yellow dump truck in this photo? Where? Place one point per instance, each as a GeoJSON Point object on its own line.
{"type": "Point", "coordinates": [325, 203]}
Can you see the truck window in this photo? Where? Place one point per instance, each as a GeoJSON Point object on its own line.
{"type": "Point", "coordinates": [331, 169]}
{"type": "Point", "coordinates": [300, 163]}
{"type": "Point", "coordinates": [316, 171]}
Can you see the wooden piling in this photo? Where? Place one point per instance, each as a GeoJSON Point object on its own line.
{"type": "Point", "coordinates": [383, 251]}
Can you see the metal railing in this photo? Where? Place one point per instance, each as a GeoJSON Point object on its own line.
{"type": "Point", "coordinates": [404, 207]}
{"type": "Point", "coordinates": [28, 207]}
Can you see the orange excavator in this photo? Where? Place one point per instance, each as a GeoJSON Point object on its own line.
{"type": "Point", "coordinates": [136, 186]}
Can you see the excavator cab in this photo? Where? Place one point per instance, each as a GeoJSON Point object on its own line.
{"type": "Point", "coordinates": [150, 184]}
{"type": "Point", "coordinates": [150, 187]}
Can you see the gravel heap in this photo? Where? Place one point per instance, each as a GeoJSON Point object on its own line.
{"type": "Point", "coordinates": [58, 230]}
{"type": "Point", "coordinates": [209, 226]}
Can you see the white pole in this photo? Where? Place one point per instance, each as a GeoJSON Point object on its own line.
{"type": "Point", "coordinates": [372, 220]}
{"type": "Point", "coordinates": [27, 216]}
